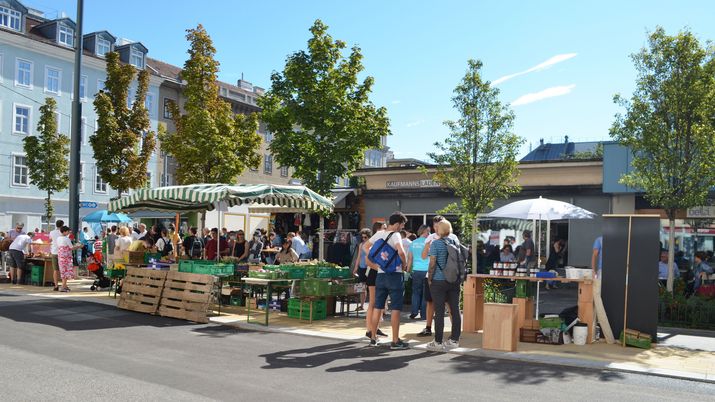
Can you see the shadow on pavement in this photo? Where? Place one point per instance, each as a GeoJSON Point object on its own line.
{"type": "Point", "coordinates": [381, 359]}
{"type": "Point", "coordinates": [71, 315]}
{"type": "Point", "coordinates": [221, 331]}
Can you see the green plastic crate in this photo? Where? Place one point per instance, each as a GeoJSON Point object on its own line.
{"type": "Point", "coordinates": [317, 314]}
{"type": "Point", "coordinates": [337, 289]}
{"type": "Point", "coordinates": [295, 303]}
{"type": "Point", "coordinates": [259, 274]}
{"type": "Point", "coordinates": [211, 268]}
{"type": "Point", "coordinates": [342, 273]}
{"type": "Point", "coordinates": [636, 342]}
{"type": "Point", "coordinates": [314, 287]}
{"type": "Point", "coordinates": [551, 322]}
{"type": "Point", "coordinates": [324, 272]}
{"type": "Point", "coordinates": [293, 272]}
{"type": "Point", "coordinates": [186, 265]}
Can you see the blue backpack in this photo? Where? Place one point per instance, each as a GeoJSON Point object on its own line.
{"type": "Point", "coordinates": [385, 255]}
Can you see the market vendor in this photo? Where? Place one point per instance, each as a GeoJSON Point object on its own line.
{"type": "Point", "coordinates": [255, 247]}
{"type": "Point", "coordinates": [145, 244]}
{"type": "Point", "coordinates": [213, 242]}
{"type": "Point", "coordinates": [287, 255]}
{"type": "Point", "coordinates": [19, 247]}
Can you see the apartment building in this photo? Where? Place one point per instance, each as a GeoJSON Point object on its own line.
{"type": "Point", "coordinates": [36, 62]}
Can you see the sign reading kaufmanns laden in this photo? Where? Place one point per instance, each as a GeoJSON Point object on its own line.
{"type": "Point", "coordinates": [412, 184]}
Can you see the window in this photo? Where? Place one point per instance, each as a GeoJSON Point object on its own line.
{"type": "Point", "coordinates": [23, 117]}
{"type": "Point", "coordinates": [149, 103]}
{"type": "Point", "coordinates": [136, 58]}
{"type": "Point", "coordinates": [103, 47]}
{"type": "Point", "coordinates": [148, 180]}
{"type": "Point", "coordinates": [100, 85]}
{"type": "Point", "coordinates": [10, 18]}
{"type": "Point", "coordinates": [23, 73]}
{"type": "Point", "coordinates": [347, 182]}
{"type": "Point", "coordinates": [20, 171]}
{"type": "Point", "coordinates": [167, 108]}
{"type": "Point", "coordinates": [100, 186]}
{"type": "Point", "coordinates": [284, 171]}
{"type": "Point", "coordinates": [268, 164]}
{"type": "Point", "coordinates": [53, 77]}
{"type": "Point", "coordinates": [66, 36]}
{"type": "Point", "coordinates": [83, 87]}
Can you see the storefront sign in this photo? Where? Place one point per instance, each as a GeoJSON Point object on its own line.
{"type": "Point", "coordinates": [411, 184]}
{"type": "Point", "coordinates": [701, 212]}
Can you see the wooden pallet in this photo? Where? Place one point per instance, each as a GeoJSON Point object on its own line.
{"type": "Point", "coordinates": [141, 290]}
{"type": "Point", "coordinates": [187, 296]}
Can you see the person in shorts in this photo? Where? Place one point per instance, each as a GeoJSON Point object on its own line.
{"type": "Point", "coordinates": [389, 284]}
{"type": "Point", "coordinates": [360, 267]}
{"type": "Point", "coordinates": [17, 251]}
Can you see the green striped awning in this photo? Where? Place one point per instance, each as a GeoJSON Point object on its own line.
{"type": "Point", "coordinates": [206, 197]}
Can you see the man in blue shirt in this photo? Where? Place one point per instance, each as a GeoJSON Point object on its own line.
{"type": "Point", "coordinates": [663, 267]}
{"type": "Point", "coordinates": [418, 266]}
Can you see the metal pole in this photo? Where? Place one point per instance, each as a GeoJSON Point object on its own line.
{"type": "Point", "coordinates": [321, 239]}
{"type": "Point", "coordinates": [75, 137]}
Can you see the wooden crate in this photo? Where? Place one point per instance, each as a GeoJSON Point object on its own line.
{"type": "Point", "coordinates": [142, 290]}
{"type": "Point", "coordinates": [525, 310]}
{"type": "Point", "coordinates": [528, 335]}
{"type": "Point", "coordinates": [501, 331]}
{"type": "Point", "coordinates": [187, 296]}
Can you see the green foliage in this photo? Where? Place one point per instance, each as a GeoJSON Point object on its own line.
{"type": "Point", "coordinates": [595, 154]}
{"type": "Point", "coordinates": [320, 114]}
{"type": "Point", "coordinates": [121, 161]}
{"type": "Point", "coordinates": [478, 159]}
{"type": "Point", "coordinates": [669, 123]}
{"type": "Point", "coordinates": [47, 156]}
{"type": "Point", "coordinates": [211, 144]}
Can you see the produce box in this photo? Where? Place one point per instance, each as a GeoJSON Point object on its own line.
{"type": "Point", "coordinates": [296, 303]}
{"type": "Point", "coordinates": [186, 265]}
{"type": "Point", "coordinates": [313, 287]}
{"type": "Point", "coordinates": [324, 272]}
{"type": "Point", "coordinates": [134, 257]}
{"type": "Point", "coordinates": [344, 273]}
{"type": "Point", "coordinates": [259, 274]}
{"type": "Point", "coordinates": [272, 267]}
{"type": "Point", "coordinates": [317, 314]}
{"type": "Point", "coordinates": [212, 268]}
{"type": "Point", "coordinates": [551, 322]}
{"type": "Point", "coordinates": [310, 271]}
{"type": "Point", "coordinates": [294, 272]}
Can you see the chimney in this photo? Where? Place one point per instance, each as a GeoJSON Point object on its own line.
{"type": "Point", "coordinates": [566, 139]}
{"type": "Point", "coordinates": [541, 141]}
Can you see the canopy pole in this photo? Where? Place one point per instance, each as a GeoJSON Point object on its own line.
{"type": "Point", "coordinates": [548, 238]}
{"type": "Point", "coordinates": [321, 239]}
{"type": "Point", "coordinates": [220, 225]}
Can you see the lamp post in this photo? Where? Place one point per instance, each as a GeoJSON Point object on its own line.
{"type": "Point", "coordinates": [75, 136]}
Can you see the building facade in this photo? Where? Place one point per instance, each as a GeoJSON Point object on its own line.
{"type": "Point", "coordinates": [36, 62]}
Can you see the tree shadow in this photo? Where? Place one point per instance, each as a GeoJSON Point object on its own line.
{"type": "Point", "coordinates": [222, 331]}
{"type": "Point", "coordinates": [72, 315]}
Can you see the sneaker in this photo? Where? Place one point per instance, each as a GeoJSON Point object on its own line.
{"type": "Point", "coordinates": [412, 316]}
{"type": "Point", "coordinates": [380, 333]}
{"type": "Point", "coordinates": [56, 288]}
{"type": "Point", "coordinates": [65, 290]}
{"type": "Point", "coordinates": [436, 346]}
{"type": "Point", "coordinates": [373, 342]}
{"type": "Point", "coordinates": [399, 345]}
{"type": "Point", "coordinates": [450, 344]}
{"type": "Point", "coordinates": [368, 334]}
{"type": "Point", "coordinates": [425, 332]}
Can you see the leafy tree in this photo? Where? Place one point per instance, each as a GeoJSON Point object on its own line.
{"type": "Point", "coordinates": [211, 144]}
{"type": "Point", "coordinates": [121, 157]}
{"type": "Point", "coordinates": [478, 159]}
{"type": "Point", "coordinates": [669, 125]}
{"type": "Point", "coordinates": [320, 115]}
{"type": "Point", "coordinates": [47, 155]}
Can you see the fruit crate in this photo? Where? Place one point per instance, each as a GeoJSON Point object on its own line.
{"type": "Point", "coordinates": [317, 314]}
{"type": "Point", "coordinates": [324, 272]}
{"type": "Point", "coordinates": [186, 265]}
{"type": "Point", "coordinates": [211, 268]}
{"type": "Point", "coordinates": [37, 274]}
{"type": "Point", "coordinates": [310, 271]}
{"type": "Point", "coordinates": [343, 273]}
{"type": "Point", "coordinates": [313, 287]}
{"type": "Point", "coordinates": [259, 274]}
{"type": "Point", "coordinates": [293, 272]}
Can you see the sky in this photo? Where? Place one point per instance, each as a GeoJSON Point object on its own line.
{"type": "Point", "coordinates": [557, 63]}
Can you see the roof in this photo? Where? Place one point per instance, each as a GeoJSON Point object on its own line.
{"type": "Point", "coordinates": [163, 69]}
{"type": "Point", "coordinates": [67, 21]}
{"type": "Point", "coordinates": [114, 38]}
{"type": "Point", "coordinates": [145, 50]}
{"type": "Point", "coordinates": [559, 151]}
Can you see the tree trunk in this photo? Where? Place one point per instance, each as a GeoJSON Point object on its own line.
{"type": "Point", "coordinates": [475, 234]}
{"type": "Point", "coordinates": [671, 250]}
{"type": "Point", "coordinates": [48, 209]}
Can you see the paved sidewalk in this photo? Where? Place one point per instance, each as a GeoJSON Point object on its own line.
{"type": "Point", "coordinates": [681, 353]}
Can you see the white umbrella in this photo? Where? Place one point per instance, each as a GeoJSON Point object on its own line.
{"type": "Point", "coordinates": [541, 209]}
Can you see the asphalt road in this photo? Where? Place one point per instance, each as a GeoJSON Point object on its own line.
{"type": "Point", "coordinates": [53, 349]}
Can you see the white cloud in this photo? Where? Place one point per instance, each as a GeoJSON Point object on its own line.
{"type": "Point", "coordinates": [541, 95]}
{"type": "Point", "coordinates": [414, 123]}
{"type": "Point", "coordinates": [539, 67]}
{"type": "Point", "coordinates": [396, 102]}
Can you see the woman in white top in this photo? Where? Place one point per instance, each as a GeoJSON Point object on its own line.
{"type": "Point", "coordinates": [122, 243]}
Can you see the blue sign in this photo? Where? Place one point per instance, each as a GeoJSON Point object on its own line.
{"type": "Point", "coordinates": [87, 204]}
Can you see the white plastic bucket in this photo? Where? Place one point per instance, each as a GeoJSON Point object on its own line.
{"type": "Point", "coordinates": [580, 333]}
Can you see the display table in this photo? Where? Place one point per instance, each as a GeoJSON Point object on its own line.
{"type": "Point", "coordinates": [47, 276]}
{"type": "Point", "coordinates": [474, 299]}
{"type": "Point", "coordinates": [269, 284]}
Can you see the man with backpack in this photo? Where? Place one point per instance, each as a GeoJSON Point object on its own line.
{"type": "Point", "coordinates": [193, 245]}
{"type": "Point", "coordinates": [387, 256]}
{"type": "Point", "coordinates": [447, 265]}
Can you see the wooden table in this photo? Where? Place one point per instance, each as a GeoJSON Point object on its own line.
{"type": "Point", "coordinates": [474, 299]}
